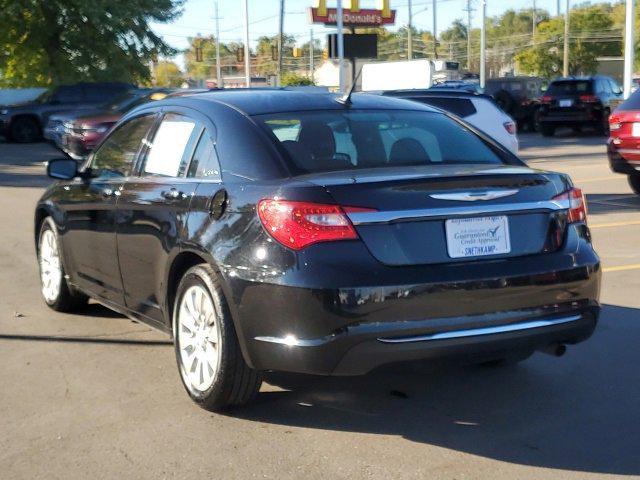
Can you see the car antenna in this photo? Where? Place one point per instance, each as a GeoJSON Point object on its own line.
{"type": "Point", "coordinates": [346, 98]}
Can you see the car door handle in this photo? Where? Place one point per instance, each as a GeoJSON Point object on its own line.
{"type": "Point", "coordinates": [173, 194]}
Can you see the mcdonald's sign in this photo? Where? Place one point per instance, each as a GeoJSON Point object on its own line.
{"type": "Point", "coordinates": [353, 15]}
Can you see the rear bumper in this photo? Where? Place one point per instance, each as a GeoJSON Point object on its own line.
{"type": "Point", "coordinates": [457, 311]}
{"type": "Point", "coordinates": [589, 115]}
{"type": "Point", "coordinates": [620, 164]}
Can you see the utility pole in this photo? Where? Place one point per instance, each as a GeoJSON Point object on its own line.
{"type": "Point", "coordinates": [557, 8]}
{"type": "Point", "coordinates": [340, 26]}
{"type": "Point", "coordinates": [628, 47]}
{"type": "Point", "coordinates": [219, 80]}
{"type": "Point", "coordinates": [565, 52]}
{"type": "Point", "coordinates": [311, 53]}
{"type": "Point", "coordinates": [483, 35]}
{"type": "Point", "coordinates": [535, 20]}
{"type": "Point", "coordinates": [247, 54]}
{"type": "Point", "coordinates": [435, 32]}
{"type": "Point", "coordinates": [280, 29]}
{"type": "Point", "coordinates": [409, 35]}
{"type": "Point", "coordinates": [469, 10]}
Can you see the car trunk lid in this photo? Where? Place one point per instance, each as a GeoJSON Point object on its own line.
{"type": "Point", "coordinates": [447, 213]}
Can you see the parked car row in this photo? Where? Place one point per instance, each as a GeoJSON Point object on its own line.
{"type": "Point", "coordinates": [25, 123]}
{"type": "Point", "coordinates": [77, 132]}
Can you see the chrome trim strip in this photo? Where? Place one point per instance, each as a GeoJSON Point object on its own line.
{"type": "Point", "coordinates": [513, 327]}
{"type": "Point", "coordinates": [474, 196]}
{"type": "Point", "coordinates": [364, 218]}
{"type": "Point", "coordinates": [292, 341]}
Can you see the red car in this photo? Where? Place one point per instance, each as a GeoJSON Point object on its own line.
{"type": "Point", "coordinates": [83, 133]}
{"type": "Point", "coordinates": [623, 146]}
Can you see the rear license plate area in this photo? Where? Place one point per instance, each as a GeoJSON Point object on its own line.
{"type": "Point", "coordinates": [478, 236]}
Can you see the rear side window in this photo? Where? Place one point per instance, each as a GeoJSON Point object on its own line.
{"type": "Point", "coordinates": [340, 140]}
{"type": "Point", "coordinates": [632, 103]}
{"type": "Point", "coordinates": [570, 87]}
{"type": "Point", "coordinates": [462, 107]}
{"type": "Point", "coordinates": [117, 153]}
{"type": "Point", "coordinates": [204, 163]}
{"type": "Point", "coordinates": [172, 146]}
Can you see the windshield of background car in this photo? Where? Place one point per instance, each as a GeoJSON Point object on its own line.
{"type": "Point", "coordinates": [318, 141]}
{"type": "Point", "coordinates": [569, 87]}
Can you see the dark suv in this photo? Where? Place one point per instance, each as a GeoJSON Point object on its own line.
{"type": "Point", "coordinates": [577, 102]}
{"type": "Point", "coordinates": [24, 123]}
{"type": "Point", "coordinates": [517, 96]}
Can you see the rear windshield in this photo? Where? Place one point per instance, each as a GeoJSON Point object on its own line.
{"type": "Point", "coordinates": [569, 87]}
{"type": "Point", "coordinates": [321, 141]}
{"type": "Point", "coordinates": [462, 107]}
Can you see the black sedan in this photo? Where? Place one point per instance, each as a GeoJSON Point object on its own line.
{"type": "Point", "coordinates": [276, 230]}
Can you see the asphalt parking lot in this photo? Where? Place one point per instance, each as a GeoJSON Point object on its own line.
{"type": "Point", "coordinates": [98, 396]}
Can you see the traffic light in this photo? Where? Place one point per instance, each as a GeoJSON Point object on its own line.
{"type": "Point", "coordinates": [198, 54]}
{"type": "Point", "coordinates": [325, 54]}
{"type": "Point", "coordinates": [297, 52]}
{"type": "Point", "coordinates": [240, 55]}
{"type": "Point", "coordinates": [274, 52]}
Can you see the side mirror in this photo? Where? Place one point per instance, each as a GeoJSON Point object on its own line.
{"type": "Point", "coordinates": [62, 168]}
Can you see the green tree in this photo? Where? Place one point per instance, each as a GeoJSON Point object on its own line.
{"type": "Point", "coordinates": [295, 79]}
{"type": "Point", "coordinates": [205, 68]}
{"type": "Point", "coordinates": [61, 41]}
{"type": "Point", "coordinates": [592, 34]}
{"type": "Point", "coordinates": [168, 74]}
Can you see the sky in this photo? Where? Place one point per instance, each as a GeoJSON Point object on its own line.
{"type": "Point", "coordinates": [198, 17]}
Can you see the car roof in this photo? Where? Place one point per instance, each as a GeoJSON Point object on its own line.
{"type": "Point", "coordinates": [578, 79]}
{"type": "Point", "coordinates": [437, 92]}
{"type": "Point", "coordinates": [257, 102]}
{"type": "Point", "coordinates": [516, 78]}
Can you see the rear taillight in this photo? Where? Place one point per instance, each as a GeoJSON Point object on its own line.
{"type": "Point", "coordinates": [576, 203]}
{"type": "Point", "coordinates": [299, 224]}
{"type": "Point", "coordinates": [510, 127]}
{"type": "Point", "coordinates": [588, 98]}
{"type": "Point", "coordinates": [546, 99]}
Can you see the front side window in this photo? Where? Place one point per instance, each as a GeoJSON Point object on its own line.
{"type": "Point", "coordinates": [339, 140]}
{"type": "Point", "coordinates": [117, 153]}
{"type": "Point", "coordinates": [171, 147]}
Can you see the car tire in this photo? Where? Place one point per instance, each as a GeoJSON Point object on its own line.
{"type": "Point", "coordinates": [56, 292]}
{"type": "Point", "coordinates": [211, 366]}
{"type": "Point", "coordinates": [602, 128]}
{"type": "Point", "coordinates": [547, 130]}
{"type": "Point", "coordinates": [634, 183]}
{"type": "Point", "coordinates": [25, 130]}
{"type": "Point", "coordinates": [505, 101]}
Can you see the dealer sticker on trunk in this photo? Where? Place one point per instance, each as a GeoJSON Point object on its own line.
{"type": "Point", "coordinates": [477, 237]}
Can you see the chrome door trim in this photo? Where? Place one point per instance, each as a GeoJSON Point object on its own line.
{"type": "Point", "coordinates": [472, 332]}
{"type": "Point", "coordinates": [365, 218]}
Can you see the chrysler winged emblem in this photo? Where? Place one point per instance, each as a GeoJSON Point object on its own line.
{"type": "Point", "coordinates": [474, 196]}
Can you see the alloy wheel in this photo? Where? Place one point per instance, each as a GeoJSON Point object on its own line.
{"type": "Point", "coordinates": [198, 339]}
{"type": "Point", "coordinates": [50, 270]}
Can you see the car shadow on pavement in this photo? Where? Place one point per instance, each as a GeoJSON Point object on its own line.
{"type": "Point", "coordinates": [578, 413]}
{"type": "Point", "coordinates": [599, 203]}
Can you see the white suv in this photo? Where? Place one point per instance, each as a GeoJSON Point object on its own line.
{"type": "Point", "coordinates": [477, 109]}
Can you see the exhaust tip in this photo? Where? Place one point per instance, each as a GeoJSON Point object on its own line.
{"type": "Point", "coordinates": [556, 349]}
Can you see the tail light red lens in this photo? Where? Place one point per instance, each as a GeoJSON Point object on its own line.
{"type": "Point", "coordinates": [510, 127]}
{"type": "Point", "coordinates": [588, 98]}
{"type": "Point", "coordinates": [546, 99]}
{"type": "Point", "coordinates": [299, 224]}
{"type": "Point", "coordinates": [577, 205]}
